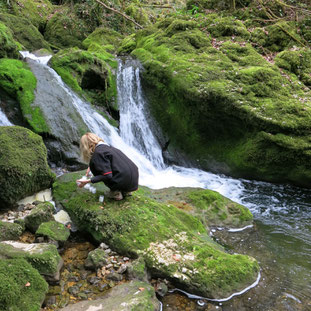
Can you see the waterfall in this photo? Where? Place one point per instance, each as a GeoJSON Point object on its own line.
{"type": "Point", "coordinates": [4, 121]}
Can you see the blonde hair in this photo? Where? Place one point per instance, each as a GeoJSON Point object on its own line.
{"type": "Point", "coordinates": [88, 143]}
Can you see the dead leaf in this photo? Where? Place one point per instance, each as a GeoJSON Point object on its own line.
{"type": "Point", "coordinates": [176, 257]}
{"type": "Point", "coordinates": [141, 289]}
{"type": "Point", "coordinates": [27, 284]}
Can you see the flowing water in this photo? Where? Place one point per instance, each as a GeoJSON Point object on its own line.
{"type": "Point", "coordinates": [281, 239]}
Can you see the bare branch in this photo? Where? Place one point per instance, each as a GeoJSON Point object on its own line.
{"type": "Point", "coordinates": [118, 12]}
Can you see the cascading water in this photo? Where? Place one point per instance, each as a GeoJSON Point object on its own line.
{"type": "Point", "coordinates": [4, 121]}
{"type": "Point", "coordinates": [281, 212]}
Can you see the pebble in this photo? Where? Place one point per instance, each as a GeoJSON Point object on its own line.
{"type": "Point", "coordinates": [122, 268]}
{"type": "Point", "coordinates": [103, 246]}
{"type": "Point", "coordinates": [126, 259]}
{"type": "Point", "coordinates": [114, 277]}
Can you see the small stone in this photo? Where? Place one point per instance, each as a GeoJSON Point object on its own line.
{"type": "Point", "coordinates": [83, 275]}
{"type": "Point", "coordinates": [93, 280]}
{"type": "Point", "coordinates": [108, 251]}
{"type": "Point", "coordinates": [49, 301]}
{"type": "Point", "coordinates": [109, 266]}
{"type": "Point", "coordinates": [114, 277]}
{"type": "Point", "coordinates": [73, 278]}
{"type": "Point", "coordinates": [161, 289]}
{"type": "Point", "coordinates": [103, 246]}
{"type": "Point", "coordinates": [102, 287]}
{"type": "Point", "coordinates": [82, 296]}
{"type": "Point", "coordinates": [73, 290]}
{"type": "Point", "coordinates": [126, 259]}
{"type": "Point", "coordinates": [122, 269]}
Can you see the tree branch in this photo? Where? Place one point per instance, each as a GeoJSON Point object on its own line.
{"type": "Point", "coordinates": [118, 12]}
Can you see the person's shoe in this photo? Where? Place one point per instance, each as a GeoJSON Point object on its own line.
{"type": "Point", "coordinates": [116, 195]}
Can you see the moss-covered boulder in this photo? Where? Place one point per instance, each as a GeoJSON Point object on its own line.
{"type": "Point", "coordinates": [23, 164]}
{"type": "Point", "coordinates": [43, 257]}
{"type": "Point", "coordinates": [222, 102]}
{"type": "Point", "coordinates": [36, 11]}
{"type": "Point", "coordinates": [209, 206]}
{"type": "Point", "coordinates": [54, 231]}
{"type": "Point", "coordinates": [10, 231]}
{"type": "Point", "coordinates": [40, 214]}
{"type": "Point", "coordinates": [19, 82]}
{"type": "Point", "coordinates": [25, 32]}
{"type": "Point", "coordinates": [89, 73]}
{"type": "Point", "coordinates": [64, 29]}
{"type": "Point", "coordinates": [21, 286]}
{"type": "Point", "coordinates": [174, 244]}
{"type": "Point", "coordinates": [8, 46]}
{"type": "Point", "coordinates": [135, 295]}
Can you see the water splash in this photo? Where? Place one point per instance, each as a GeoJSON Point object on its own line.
{"type": "Point", "coordinates": [4, 121]}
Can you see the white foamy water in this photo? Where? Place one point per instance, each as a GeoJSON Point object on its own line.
{"type": "Point", "coordinates": [4, 121]}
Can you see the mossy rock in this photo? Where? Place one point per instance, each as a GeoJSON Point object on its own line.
{"type": "Point", "coordinates": [277, 37]}
{"type": "Point", "coordinates": [36, 11]}
{"type": "Point", "coordinates": [43, 257]}
{"type": "Point", "coordinates": [211, 207]}
{"type": "Point", "coordinates": [23, 166]}
{"type": "Point", "coordinates": [54, 231]}
{"type": "Point", "coordinates": [297, 62]}
{"type": "Point", "coordinates": [89, 73]}
{"type": "Point", "coordinates": [64, 29]}
{"type": "Point", "coordinates": [138, 13]}
{"type": "Point", "coordinates": [25, 32]}
{"type": "Point", "coordinates": [96, 259]}
{"type": "Point", "coordinates": [137, 270]}
{"type": "Point", "coordinates": [8, 46]}
{"type": "Point", "coordinates": [174, 244]}
{"type": "Point", "coordinates": [10, 231]}
{"type": "Point", "coordinates": [20, 83]}
{"type": "Point", "coordinates": [222, 115]}
{"type": "Point", "coordinates": [21, 286]}
{"type": "Point", "coordinates": [40, 214]}
{"type": "Point", "coordinates": [134, 295]}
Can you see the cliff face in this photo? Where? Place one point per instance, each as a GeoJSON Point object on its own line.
{"type": "Point", "coordinates": [227, 82]}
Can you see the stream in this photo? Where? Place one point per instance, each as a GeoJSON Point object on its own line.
{"type": "Point", "coordinates": [281, 236]}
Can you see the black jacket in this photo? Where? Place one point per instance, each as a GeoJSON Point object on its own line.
{"type": "Point", "coordinates": [114, 168]}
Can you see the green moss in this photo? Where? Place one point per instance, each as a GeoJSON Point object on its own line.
{"type": "Point", "coordinates": [54, 231]}
{"type": "Point", "coordinates": [40, 214]}
{"type": "Point", "coordinates": [238, 94]}
{"type": "Point", "coordinates": [24, 32]}
{"type": "Point", "coordinates": [88, 72]}
{"type": "Point", "coordinates": [9, 47]}
{"type": "Point", "coordinates": [142, 226]}
{"type": "Point", "coordinates": [138, 14]}
{"type": "Point", "coordinates": [18, 81]}
{"type": "Point", "coordinates": [10, 231]}
{"type": "Point", "coordinates": [23, 164]}
{"type": "Point", "coordinates": [15, 274]}
{"type": "Point", "coordinates": [43, 257]}
{"type": "Point", "coordinates": [36, 11]}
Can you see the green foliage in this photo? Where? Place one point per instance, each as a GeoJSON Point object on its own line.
{"type": "Point", "coordinates": [14, 295]}
{"type": "Point", "coordinates": [18, 81]}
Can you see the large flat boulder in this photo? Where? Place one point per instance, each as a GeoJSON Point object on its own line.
{"type": "Point", "coordinates": [136, 295]}
{"type": "Point", "coordinates": [174, 244]}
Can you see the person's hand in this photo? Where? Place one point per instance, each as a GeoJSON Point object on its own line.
{"type": "Point", "coordinates": [87, 172]}
{"type": "Point", "coordinates": [82, 183]}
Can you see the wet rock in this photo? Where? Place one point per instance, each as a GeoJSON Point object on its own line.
{"type": "Point", "coordinates": [122, 269]}
{"type": "Point", "coordinates": [135, 295]}
{"type": "Point", "coordinates": [49, 301]}
{"type": "Point", "coordinates": [43, 257]}
{"type": "Point", "coordinates": [93, 280]}
{"type": "Point", "coordinates": [10, 231]}
{"type": "Point", "coordinates": [73, 278]}
{"type": "Point", "coordinates": [137, 270]}
{"type": "Point", "coordinates": [73, 290]}
{"type": "Point", "coordinates": [42, 213]}
{"type": "Point", "coordinates": [96, 259]}
{"type": "Point", "coordinates": [53, 231]}
{"type": "Point", "coordinates": [103, 246]}
{"type": "Point", "coordinates": [114, 277]}
{"type": "Point", "coordinates": [82, 296]}
{"type": "Point", "coordinates": [84, 275]}
{"type": "Point", "coordinates": [161, 289]}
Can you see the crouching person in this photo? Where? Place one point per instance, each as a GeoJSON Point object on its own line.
{"type": "Point", "coordinates": [109, 165]}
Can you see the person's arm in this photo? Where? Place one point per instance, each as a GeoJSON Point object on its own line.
{"type": "Point", "coordinates": [103, 165]}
